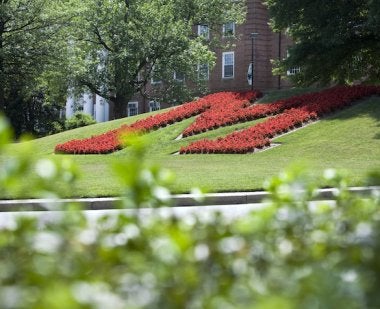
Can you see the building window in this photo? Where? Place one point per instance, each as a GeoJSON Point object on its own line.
{"type": "Point", "coordinates": [229, 29]}
{"type": "Point", "coordinates": [228, 65]}
{"type": "Point", "coordinates": [154, 106]}
{"type": "Point", "coordinates": [204, 31]}
{"type": "Point", "coordinates": [154, 77]}
{"type": "Point", "coordinates": [293, 71]}
{"type": "Point", "coordinates": [133, 108]}
{"type": "Point", "coordinates": [179, 76]}
{"type": "Point", "coordinates": [203, 71]}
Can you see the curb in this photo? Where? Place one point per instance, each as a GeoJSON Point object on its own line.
{"type": "Point", "coordinates": [179, 200]}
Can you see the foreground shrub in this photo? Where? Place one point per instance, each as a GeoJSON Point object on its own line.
{"type": "Point", "coordinates": [289, 253]}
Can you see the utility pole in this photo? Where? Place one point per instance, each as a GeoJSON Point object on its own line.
{"type": "Point", "coordinates": [253, 56]}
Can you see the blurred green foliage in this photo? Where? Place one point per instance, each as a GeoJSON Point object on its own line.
{"type": "Point", "coordinates": [290, 253]}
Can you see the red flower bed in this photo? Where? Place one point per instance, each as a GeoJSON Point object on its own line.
{"type": "Point", "coordinates": [219, 115]}
{"type": "Point", "coordinates": [226, 108]}
{"type": "Point", "coordinates": [110, 141]}
{"type": "Point", "coordinates": [297, 111]}
{"type": "Point", "coordinates": [252, 138]}
{"type": "Point", "coordinates": [237, 112]}
{"type": "Point", "coordinates": [99, 144]}
{"type": "Point", "coordinates": [225, 112]}
{"type": "Point", "coordinates": [187, 110]}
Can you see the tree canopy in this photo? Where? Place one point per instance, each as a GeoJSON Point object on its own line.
{"type": "Point", "coordinates": [121, 43]}
{"type": "Point", "coordinates": [107, 47]}
{"type": "Point", "coordinates": [32, 60]}
{"type": "Point", "coordinates": [335, 41]}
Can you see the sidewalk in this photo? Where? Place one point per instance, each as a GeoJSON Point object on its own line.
{"type": "Point", "coordinates": [179, 200]}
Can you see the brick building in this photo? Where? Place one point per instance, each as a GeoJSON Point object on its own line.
{"type": "Point", "coordinates": [252, 41]}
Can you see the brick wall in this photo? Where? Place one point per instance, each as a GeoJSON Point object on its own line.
{"type": "Point", "coordinates": [266, 47]}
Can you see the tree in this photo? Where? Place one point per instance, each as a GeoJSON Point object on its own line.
{"type": "Point", "coordinates": [121, 43]}
{"type": "Point", "coordinates": [32, 58]}
{"type": "Point", "coordinates": [335, 41]}
{"type": "Point", "coordinates": [34, 115]}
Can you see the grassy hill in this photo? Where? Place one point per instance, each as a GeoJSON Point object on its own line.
{"type": "Point", "coordinates": [348, 140]}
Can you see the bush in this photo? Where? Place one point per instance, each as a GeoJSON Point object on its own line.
{"type": "Point", "coordinates": [290, 253]}
{"type": "Point", "coordinates": [78, 120]}
{"type": "Point", "coordinates": [56, 127]}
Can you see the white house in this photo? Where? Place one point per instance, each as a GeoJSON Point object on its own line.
{"type": "Point", "coordinates": [89, 103]}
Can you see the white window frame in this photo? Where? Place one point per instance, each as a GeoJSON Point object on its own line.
{"type": "Point", "coordinates": [136, 107]}
{"type": "Point", "coordinates": [225, 34]}
{"type": "Point", "coordinates": [154, 106]}
{"type": "Point", "coordinates": [224, 64]}
{"type": "Point", "coordinates": [207, 75]}
{"type": "Point", "coordinates": [293, 71]}
{"type": "Point", "coordinates": [204, 31]}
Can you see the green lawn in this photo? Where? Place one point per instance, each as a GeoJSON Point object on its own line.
{"type": "Point", "coordinates": [348, 140]}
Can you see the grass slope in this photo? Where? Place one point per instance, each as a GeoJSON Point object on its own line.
{"type": "Point", "coordinates": [348, 140]}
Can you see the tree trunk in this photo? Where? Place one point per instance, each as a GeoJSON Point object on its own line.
{"type": "Point", "coordinates": [121, 109]}
{"type": "Point", "coordinates": [2, 95]}
{"type": "Point", "coordinates": [111, 111]}
{"type": "Point", "coordinates": [118, 107]}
